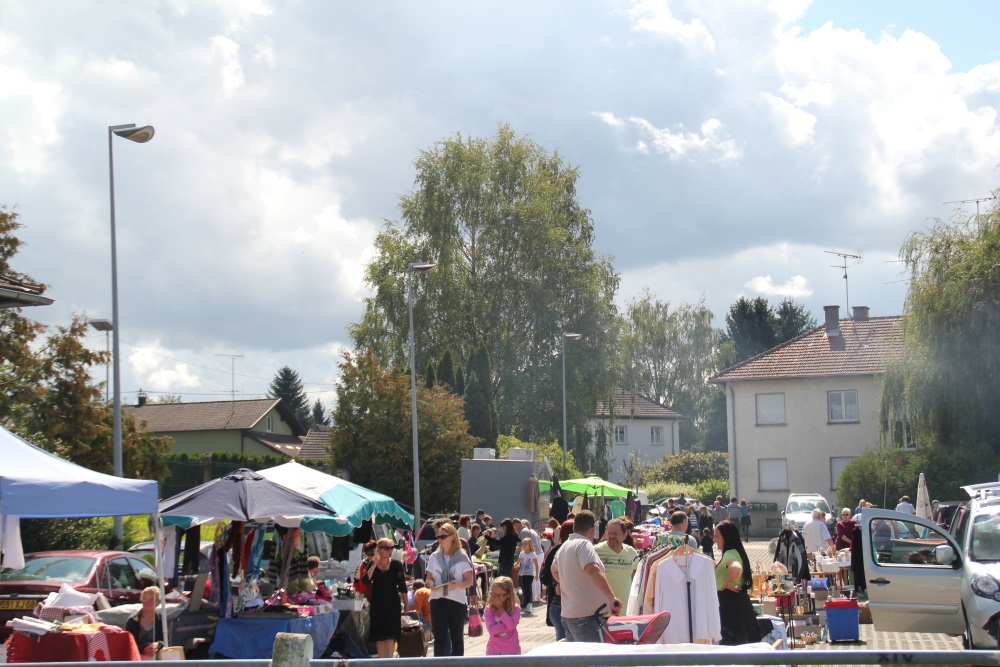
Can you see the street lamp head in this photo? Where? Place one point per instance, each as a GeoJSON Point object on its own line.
{"type": "Point", "coordinates": [139, 135]}
{"type": "Point", "coordinates": [423, 267]}
{"type": "Point", "coordinates": [102, 325]}
{"type": "Point", "coordinates": [572, 336]}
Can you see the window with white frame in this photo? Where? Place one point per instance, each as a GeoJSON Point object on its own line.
{"type": "Point", "coordinates": [772, 474]}
{"type": "Point", "coordinates": [656, 435]}
{"type": "Point", "coordinates": [270, 424]}
{"type": "Point", "coordinates": [837, 464]}
{"type": "Point", "coordinates": [621, 435]}
{"type": "Point", "coordinates": [843, 405]}
{"type": "Point", "coordinates": [770, 409]}
{"type": "Point", "coordinates": [901, 436]}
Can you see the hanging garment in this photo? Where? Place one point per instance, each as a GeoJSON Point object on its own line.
{"type": "Point", "coordinates": [532, 497]}
{"type": "Point", "coordinates": [10, 542]}
{"type": "Point", "coordinates": [791, 552]}
{"type": "Point", "coordinates": [685, 587]}
{"type": "Point", "coordinates": [192, 550]}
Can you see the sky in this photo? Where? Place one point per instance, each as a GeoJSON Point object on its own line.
{"type": "Point", "coordinates": [725, 148]}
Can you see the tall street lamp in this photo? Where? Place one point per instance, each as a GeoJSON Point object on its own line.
{"type": "Point", "coordinates": [106, 327]}
{"type": "Point", "coordinates": [566, 337]}
{"type": "Point", "coordinates": [415, 267]}
{"type": "Point", "coordinates": [139, 135]}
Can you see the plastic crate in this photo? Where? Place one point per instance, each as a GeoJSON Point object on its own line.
{"type": "Point", "coordinates": [842, 620]}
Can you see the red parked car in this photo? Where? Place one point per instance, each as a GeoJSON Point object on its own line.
{"type": "Point", "coordinates": [113, 573]}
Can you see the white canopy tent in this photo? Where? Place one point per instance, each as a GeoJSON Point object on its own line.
{"type": "Point", "coordinates": [36, 484]}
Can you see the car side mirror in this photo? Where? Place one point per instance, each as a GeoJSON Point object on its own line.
{"type": "Point", "coordinates": [944, 555]}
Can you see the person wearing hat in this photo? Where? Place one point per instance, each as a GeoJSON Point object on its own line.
{"type": "Point", "coordinates": [481, 519]}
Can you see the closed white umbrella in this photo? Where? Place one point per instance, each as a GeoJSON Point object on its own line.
{"type": "Point", "coordinates": [923, 499]}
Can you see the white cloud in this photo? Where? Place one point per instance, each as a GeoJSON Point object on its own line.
{"type": "Point", "coordinates": [798, 124]}
{"type": "Point", "coordinates": [155, 370]}
{"type": "Point", "coordinates": [655, 16]}
{"type": "Point", "coordinates": [227, 51]}
{"type": "Point", "coordinates": [796, 287]}
{"type": "Point", "coordinates": [679, 144]}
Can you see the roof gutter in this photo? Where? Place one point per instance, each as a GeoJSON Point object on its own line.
{"type": "Point", "coordinates": [18, 299]}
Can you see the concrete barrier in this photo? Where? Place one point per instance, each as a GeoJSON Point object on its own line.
{"type": "Point", "coordinates": [292, 650]}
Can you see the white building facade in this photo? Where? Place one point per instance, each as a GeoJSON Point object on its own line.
{"type": "Point", "coordinates": [636, 427]}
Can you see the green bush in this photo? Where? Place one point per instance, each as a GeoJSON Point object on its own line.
{"type": "Point", "coordinates": [691, 468]}
{"type": "Point", "coordinates": [658, 490]}
{"type": "Point", "coordinates": [706, 491]}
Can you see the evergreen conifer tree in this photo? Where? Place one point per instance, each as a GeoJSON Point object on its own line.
{"type": "Point", "coordinates": [430, 377]}
{"type": "Point", "coordinates": [319, 414]}
{"type": "Point", "coordinates": [459, 382]}
{"type": "Point", "coordinates": [446, 371]}
{"type": "Point", "coordinates": [477, 412]}
{"type": "Point", "coordinates": [287, 385]}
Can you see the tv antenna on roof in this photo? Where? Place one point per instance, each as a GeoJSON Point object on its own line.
{"type": "Point", "coordinates": [969, 201]}
{"type": "Point", "coordinates": [844, 257]}
{"type": "Point", "coordinates": [232, 360]}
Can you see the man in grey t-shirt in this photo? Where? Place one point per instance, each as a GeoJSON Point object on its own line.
{"type": "Point", "coordinates": [582, 582]}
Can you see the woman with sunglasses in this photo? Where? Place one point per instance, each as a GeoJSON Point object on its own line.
{"type": "Point", "coordinates": [449, 574]}
{"type": "Point", "coordinates": [386, 582]}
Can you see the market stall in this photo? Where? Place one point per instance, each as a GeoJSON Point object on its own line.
{"type": "Point", "coordinates": [248, 501]}
{"type": "Point", "coordinates": [36, 484]}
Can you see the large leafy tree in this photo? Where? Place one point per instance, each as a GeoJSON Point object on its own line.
{"type": "Point", "coordinates": [371, 435]}
{"type": "Point", "coordinates": [946, 383]}
{"type": "Point", "coordinates": [287, 385]}
{"type": "Point", "coordinates": [49, 397]}
{"type": "Point", "coordinates": [516, 269]}
{"type": "Point", "coordinates": [669, 356]}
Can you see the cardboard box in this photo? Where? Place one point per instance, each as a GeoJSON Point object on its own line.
{"type": "Point", "coordinates": [864, 613]}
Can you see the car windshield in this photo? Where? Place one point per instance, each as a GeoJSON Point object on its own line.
{"type": "Point", "coordinates": [69, 569]}
{"type": "Point", "coordinates": [985, 543]}
{"type": "Point", "coordinates": [806, 505]}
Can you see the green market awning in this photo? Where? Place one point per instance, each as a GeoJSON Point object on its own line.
{"type": "Point", "coordinates": [351, 503]}
{"type": "Point", "coordinates": [592, 486]}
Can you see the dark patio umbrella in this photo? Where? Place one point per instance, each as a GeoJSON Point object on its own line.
{"type": "Point", "coordinates": [243, 495]}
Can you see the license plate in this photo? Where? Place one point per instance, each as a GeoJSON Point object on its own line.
{"type": "Point", "coordinates": [18, 604]}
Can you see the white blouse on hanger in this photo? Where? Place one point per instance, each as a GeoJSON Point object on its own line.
{"type": "Point", "coordinates": [671, 595]}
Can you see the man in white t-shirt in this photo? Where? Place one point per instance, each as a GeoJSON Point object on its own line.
{"type": "Point", "coordinates": [582, 582]}
{"type": "Point", "coordinates": [815, 533]}
{"type": "Point", "coordinates": [906, 506]}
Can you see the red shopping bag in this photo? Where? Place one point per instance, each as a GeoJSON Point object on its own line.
{"type": "Point", "coordinates": [475, 622]}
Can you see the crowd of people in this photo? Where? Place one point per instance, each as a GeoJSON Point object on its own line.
{"type": "Point", "coordinates": [570, 569]}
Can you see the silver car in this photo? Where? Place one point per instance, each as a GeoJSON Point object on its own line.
{"type": "Point", "coordinates": [921, 578]}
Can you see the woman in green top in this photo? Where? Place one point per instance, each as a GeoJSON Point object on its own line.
{"type": "Point", "coordinates": [732, 580]}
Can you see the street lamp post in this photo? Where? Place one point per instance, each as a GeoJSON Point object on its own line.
{"type": "Point", "coordinates": [139, 135]}
{"type": "Point", "coordinates": [566, 337]}
{"type": "Point", "coordinates": [415, 267]}
{"type": "Point", "coordinates": [105, 326]}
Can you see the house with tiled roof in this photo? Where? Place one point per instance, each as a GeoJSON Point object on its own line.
{"type": "Point", "coordinates": [799, 412]}
{"type": "Point", "coordinates": [18, 293]}
{"type": "Point", "coordinates": [315, 444]}
{"type": "Point", "coordinates": [262, 426]}
{"type": "Point", "coordinates": [637, 425]}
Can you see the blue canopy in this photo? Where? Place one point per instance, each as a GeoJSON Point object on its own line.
{"type": "Point", "coordinates": [35, 484]}
{"type": "Point", "coordinates": [352, 503]}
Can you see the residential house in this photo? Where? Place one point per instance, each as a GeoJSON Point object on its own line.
{"type": "Point", "coordinates": [636, 425]}
{"type": "Point", "coordinates": [799, 412]}
{"type": "Point", "coordinates": [17, 293]}
{"type": "Point", "coordinates": [261, 426]}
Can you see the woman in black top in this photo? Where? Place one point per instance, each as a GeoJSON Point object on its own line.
{"type": "Point", "coordinates": [145, 624]}
{"type": "Point", "coordinates": [507, 544]}
{"type": "Point", "coordinates": [387, 582]}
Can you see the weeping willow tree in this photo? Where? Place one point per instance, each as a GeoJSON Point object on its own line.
{"type": "Point", "coordinates": [942, 392]}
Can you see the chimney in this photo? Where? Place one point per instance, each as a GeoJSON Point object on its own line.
{"type": "Point", "coordinates": [832, 320]}
{"type": "Point", "coordinates": [142, 399]}
{"type": "Point", "coordinates": [860, 313]}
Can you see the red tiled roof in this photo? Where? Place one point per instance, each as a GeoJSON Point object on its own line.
{"type": "Point", "coordinates": [16, 292]}
{"type": "Point", "coordinates": [628, 404]}
{"type": "Point", "coordinates": [862, 348]}
{"type": "Point", "coordinates": [314, 445]}
{"type": "Point", "coordinates": [210, 415]}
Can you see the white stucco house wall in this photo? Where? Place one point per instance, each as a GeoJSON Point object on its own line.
{"type": "Point", "coordinates": [799, 412]}
{"type": "Point", "coordinates": [636, 424]}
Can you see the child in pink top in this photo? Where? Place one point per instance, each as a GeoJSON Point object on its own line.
{"type": "Point", "coordinates": [501, 617]}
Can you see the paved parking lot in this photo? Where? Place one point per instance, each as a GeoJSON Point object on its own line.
{"type": "Point", "coordinates": [534, 632]}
